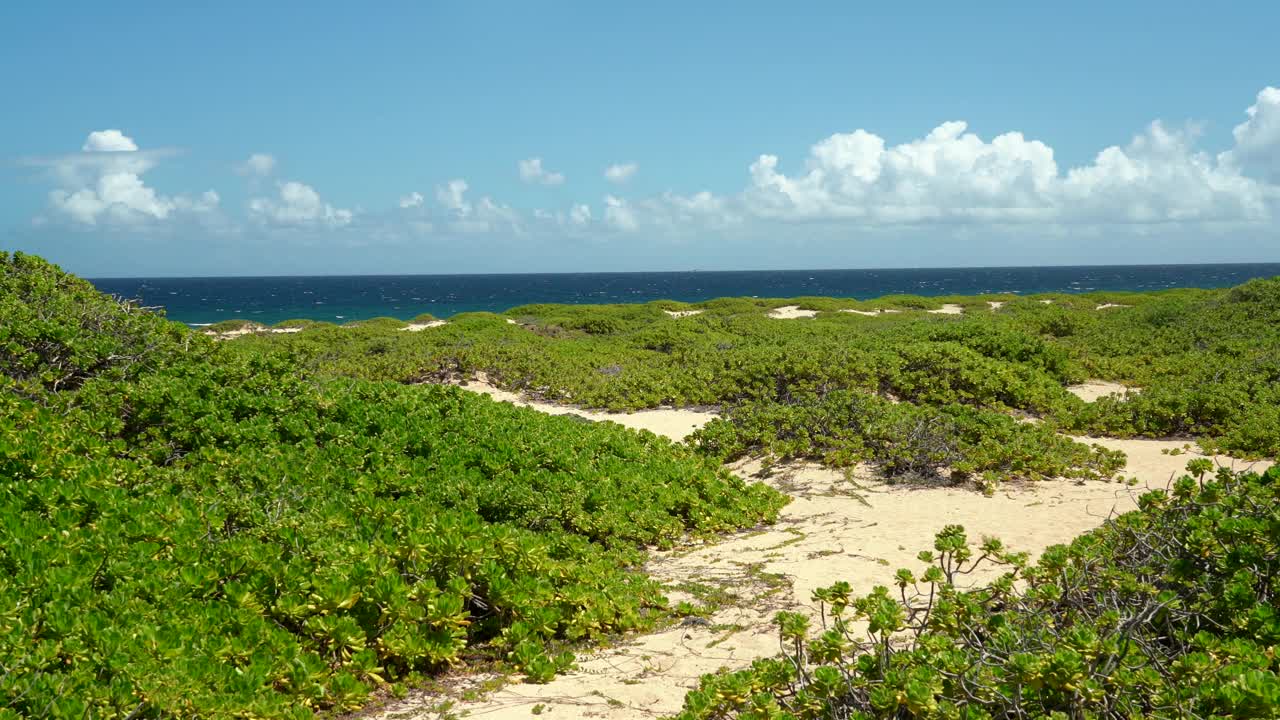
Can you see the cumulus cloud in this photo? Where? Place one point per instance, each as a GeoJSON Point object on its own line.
{"type": "Point", "coordinates": [258, 165]}
{"type": "Point", "coordinates": [412, 200]}
{"type": "Point", "coordinates": [485, 215]}
{"type": "Point", "coordinates": [108, 141]}
{"type": "Point", "coordinates": [103, 184]}
{"type": "Point", "coordinates": [620, 173]}
{"type": "Point", "coordinates": [619, 214]}
{"type": "Point", "coordinates": [1257, 149]}
{"type": "Point", "coordinates": [954, 175]}
{"type": "Point", "coordinates": [531, 171]}
{"type": "Point", "coordinates": [298, 205]}
{"type": "Point", "coordinates": [580, 215]}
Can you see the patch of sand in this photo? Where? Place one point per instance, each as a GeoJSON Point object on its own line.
{"type": "Point", "coordinates": [418, 327]}
{"type": "Point", "coordinates": [1091, 390]}
{"type": "Point", "coordinates": [512, 322]}
{"type": "Point", "coordinates": [674, 423]}
{"type": "Point", "coordinates": [853, 527]}
{"type": "Point", "coordinates": [948, 309]}
{"type": "Point", "coordinates": [871, 313]}
{"type": "Point", "coordinates": [1046, 302]}
{"type": "Point", "coordinates": [791, 312]}
{"type": "Point", "coordinates": [996, 304]}
{"type": "Point", "coordinates": [682, 313]}
{"type": "Point", "coordinates": [286, 331]}
{"type": "Point", "coordinates": [1104, 306]}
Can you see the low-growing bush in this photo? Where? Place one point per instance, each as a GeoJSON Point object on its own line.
{"type": "Point", "coordinates": [1168, 611]}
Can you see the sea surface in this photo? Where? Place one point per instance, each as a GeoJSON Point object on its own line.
{"type": "Point", "coordinates": [268, 300]}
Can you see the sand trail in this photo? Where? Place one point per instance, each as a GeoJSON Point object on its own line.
{"type": "Point", "coordinates": [948, 309]}
{"type": "Point", "coordinates": [839, 526]}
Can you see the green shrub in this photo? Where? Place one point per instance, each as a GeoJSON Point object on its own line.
{"type": "Point", "coordinates": [1168, 611]}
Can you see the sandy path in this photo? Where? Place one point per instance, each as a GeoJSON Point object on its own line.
{"type": "Point", "coordinates": [837, 527]}
{"type": "Point", "coordinates": [948, 309]}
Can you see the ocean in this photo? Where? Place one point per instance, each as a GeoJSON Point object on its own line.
{"type": "Point", "coordinates": [268, 300]}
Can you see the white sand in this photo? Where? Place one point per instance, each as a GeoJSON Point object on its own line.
{"type": "Point", "coordinates": [859, 530]}
{"type": "Point", "coordinates": [673, 423]}
{"type": "Point", "coordinates": [1046, 302]}
{"type": "Point", "coordinates": [1104, 306]}
{"type": "Point", "coordinates": [871, 313]}
{"type": "Point", "coordinates": [948, 309]}
{"type": "Point", "coordinates": [791, 312]}
{"type": "Point", "coordinates": [286, 331]}
{"type": "Point", "coordinates": [512, 322]}
{"type": "Point", "coordinates": [995, 304]}
{"type": "Point", "coordinates": [418, 327]}
{"type": "Point", "coordinates": [682, 313]}
{"type": "Point", "coordinates": [836, 528]}
{"type": "Point", "coordinates": [1091, 390]}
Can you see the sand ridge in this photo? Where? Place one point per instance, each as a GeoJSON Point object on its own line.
{"type": "Point", "coordinates": [839, 526]}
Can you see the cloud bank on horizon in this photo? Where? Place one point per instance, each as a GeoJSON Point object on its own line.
{"type": "Point", "coordinates": [848, 183]}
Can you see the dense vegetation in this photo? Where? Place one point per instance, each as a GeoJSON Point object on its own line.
{"type": "Point", "coordinates": [1169, 611]}
{"type": "Point", "coordinates": [188, 531]}
{"type": "Point", "coordinates": [920, 394]}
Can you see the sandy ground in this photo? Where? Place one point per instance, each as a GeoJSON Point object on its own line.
{"type": "Point", "coordinates": [418, 327]}
{"type": "Point", "coordinates": [1104, 306]}
{"type": "Point", "coordinates": [871, 313]}
{"type": "Point", "coordinates": [682, 313]}
{"type": "Point", "coordinates": [838, 527]}
{"type": "Point", "coordinates": [1091, 390]}
{"type": "Point", "coordinates": [791, 312]}
{"type": "Point", "coordinates": [995, 304]}
{"type": "Point", "coordinates": [673, 423]}
{"type": "Point", "coordinates": [948, 309]}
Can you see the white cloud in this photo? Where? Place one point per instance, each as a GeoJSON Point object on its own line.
{"type": "Point", "coordinates": [298, 205]}
{"type": "Point", "coordinates": [108, 141]}
{"type": "Point", "coordinates": [619, 214]}
{"type": "Point", "coordinates": [103, 184]}
{"type": "Point", "coordinates": [258, 165]}
{"type": "Point", "coordinates": [620, 173]}
{"type": "Point", "coordinates": [954, 175]}
{"type": "Point", "coordinates": [1257, 150]}
{"type": "Point", "coordinates": [412, 200]}
{"type": "Point", "coordinates": [482, 216]}
{"type": "Point", "coordinates": [580, 215]}
{"type": "Point", "coordinates": [531, 171]}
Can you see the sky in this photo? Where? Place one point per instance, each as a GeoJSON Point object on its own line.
{"type": "Point", "coordinates": [171, 139]}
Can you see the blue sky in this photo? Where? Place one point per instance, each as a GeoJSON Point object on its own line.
{"type": "Point", "coordinates": [475, 137]}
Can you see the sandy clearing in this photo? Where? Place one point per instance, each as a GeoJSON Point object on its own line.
{"type": "Point", "coordinates": [838, 527]}
{"type": "Point", "coordinates": [682, 313]}
{"type": "Point", "coordinates": [1091, 390]}
{"type": "Point", "coordinates": [674, 423]}
{"type": "Point", "coordinates": [791, 312]}
{"type": "Point", "coordinates": [1104, 306]}
{"type": "Point", "coordinates": [995, 304]}
{"type": "Point", "coordinates": [1046, 302]}
{"type": "Point", "coordinates": [512, 322]}
{"type": "Point", "coordinates": [948, 309]}
{"type": "Point", "coordinates": [418, 327]}
{"type": "Point", "coordinates": [871, 313]}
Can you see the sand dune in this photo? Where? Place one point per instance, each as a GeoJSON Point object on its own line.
{"type": "Point", "coordinates": [682, 313]}
{"type": "Point", "coordinates": [837, 527]}
{"type": "Point", "coordinates": [1104, 306]}
{"type": "Point", "coordinates": [948, 309]}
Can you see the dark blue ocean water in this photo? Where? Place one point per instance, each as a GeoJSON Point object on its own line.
{"type": "Point", "coordinates": [271, 299]}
